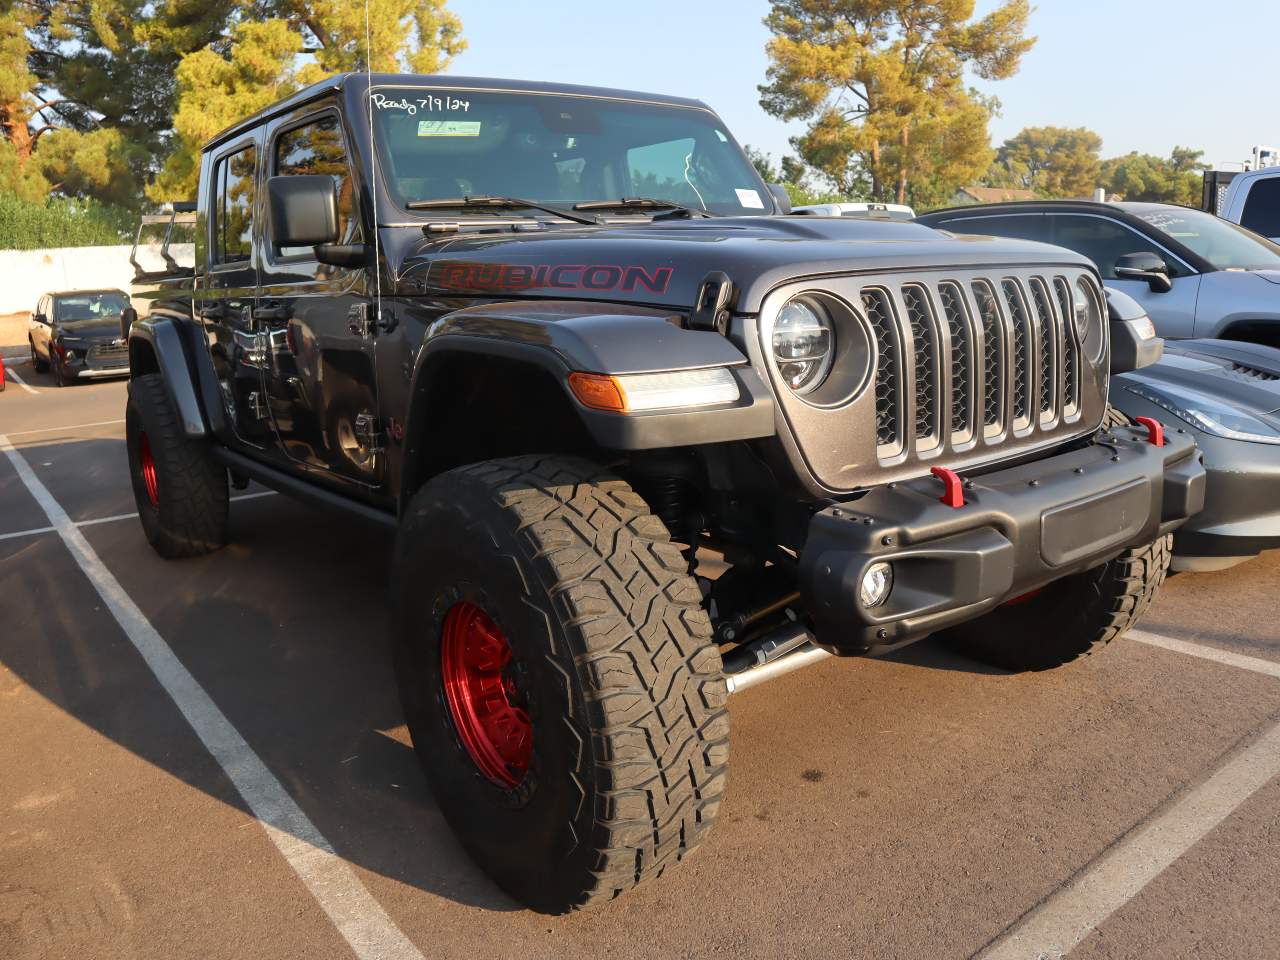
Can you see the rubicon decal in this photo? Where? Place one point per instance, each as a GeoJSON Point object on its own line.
{"type": "Point", "coordinates": [525, 276]}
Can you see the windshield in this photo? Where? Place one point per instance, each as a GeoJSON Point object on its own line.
{"type": "Point", "coordinates": [439, 144]}
{"type": "Point", "coordinates": [89, 306]}
{"type": "Point", "coordinates": [1223, 244]}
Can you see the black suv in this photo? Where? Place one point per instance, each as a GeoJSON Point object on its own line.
{"type": "Point", "coordinates": [570, 345]}
{"type": "Point", "coordinates": [77, 334]}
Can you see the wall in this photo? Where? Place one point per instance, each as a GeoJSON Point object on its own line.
{"type": "Point", "coordinates": [27, 274]}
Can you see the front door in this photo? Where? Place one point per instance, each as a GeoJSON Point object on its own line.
{"type": "Point", "coordinates": [321, 387]}
{"type": "Point", "coordinates": [1104, 240]}
{"type": "Point", "coordinates": [224, 301]}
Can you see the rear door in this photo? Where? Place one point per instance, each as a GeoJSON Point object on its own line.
{"type": "Point", "coordinates": [224, 300]}
{"type": "Point", "coordinates": [320, 372]}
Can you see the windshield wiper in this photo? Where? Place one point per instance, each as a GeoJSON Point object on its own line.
{"type": "Point", "coordinates": [499, 203]}
{"type": "Point", "coordinates": [669, 208]}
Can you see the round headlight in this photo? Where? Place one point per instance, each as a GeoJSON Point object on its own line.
{"type": "Point", "coordinates": [803, 344]}
{"type": "Point", "coordinates": [1088, 318]}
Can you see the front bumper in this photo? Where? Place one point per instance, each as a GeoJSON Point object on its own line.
{"type": "Point", "coordinates": [1019, 529]}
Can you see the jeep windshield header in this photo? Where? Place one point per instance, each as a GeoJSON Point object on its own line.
{"type": "Point", "coordinates": [435, 144]}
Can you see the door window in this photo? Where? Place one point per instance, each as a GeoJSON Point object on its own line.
{"type": "Point", "coordinates": [1105, 241]}
{"type": "Point", "coordinates": [1262, 208]}
{"type": "Point", "coordinates": [235, 187]}
{"type": "Point", "coordinates": [317, 148]}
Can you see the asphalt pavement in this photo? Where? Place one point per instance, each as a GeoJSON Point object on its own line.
{"type": "Point", "coordinates": [206, 759]}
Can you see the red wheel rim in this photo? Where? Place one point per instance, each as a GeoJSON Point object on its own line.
{"type": "Point", "coordinates": [148, 470]}
{"type": "Point", "coordinates": [483, 698]}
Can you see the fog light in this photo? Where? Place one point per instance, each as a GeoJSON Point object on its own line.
{"type": "Point", "coordinates": [876, 584]}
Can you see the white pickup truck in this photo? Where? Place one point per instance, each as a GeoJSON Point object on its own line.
{"type": "Point", "coordinates": [1252, 199]}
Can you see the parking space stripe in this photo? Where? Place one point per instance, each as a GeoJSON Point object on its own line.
{"type": "Point", "coordinates": [116, 517]}
{"type": "Point", "coordinates": [25, 533]}
{"type": "Point", "coordinates": [13, 375]}
{"type": "Point", "coordinates": [74, 426]}
{"type": "Point", "coordinates": [359, 918]}
{"type": "Point", "coordinates": [1070, 914]}
{"type": "Point", "coordinates": [1238, 660]}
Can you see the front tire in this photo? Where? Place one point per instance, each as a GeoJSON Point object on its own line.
{"type": "Point", "coordinates": [592, 668]}
{"type": "Point", "coordinates": [40, 366]}
{"type": "Point", "coordinates": [180, 490]}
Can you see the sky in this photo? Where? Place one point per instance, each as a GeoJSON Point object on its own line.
{"type": "Point", "coordinates": [1144, 76]}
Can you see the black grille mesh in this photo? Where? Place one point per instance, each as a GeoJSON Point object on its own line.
{"type": "Point", "coordinates": [1048, 344]}
{"type": "Point", "coordinates": [993, 365]}
{"type": "Point", "coordinates": [961, 352]}
{"type": "Point", "coordinates": [925, 346]}
{"type": "Point", "coordinates": [1021, 347]}
{"type": "Point", "coordinates": [880, 313]}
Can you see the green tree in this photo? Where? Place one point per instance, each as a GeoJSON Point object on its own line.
{"type": "Point", "coordinates": [1141, 176]}
{"type": "Point", "coordinates": [1052, 161]}
{"type": "Point", "coordinates": [882, 84]}
{"type": "Point", "coordinates": [225, 82]}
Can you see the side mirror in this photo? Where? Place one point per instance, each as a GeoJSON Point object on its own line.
{"type": "Point", "coordinates": [781, 197]}
{"type": "Point", "coordinates": [1145, 266]}
{"type": "Point", "coordinates": [303, 210]}
{"type": "Point", "coordinates": [39, 318]}
{"type": "Point", "coordinates": [127, 318]}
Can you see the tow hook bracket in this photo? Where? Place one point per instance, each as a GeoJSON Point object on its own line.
{"type": "Point", "coordinates": [1155, 430]}
{"type": "Point", "coordinates": [953, 495]}
{"type": "Point", "coordinates": [712, 308]}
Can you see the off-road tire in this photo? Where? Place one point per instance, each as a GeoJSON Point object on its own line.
{"type": "Point", "coordinates": [190, 516]}
{"type": "Point", "coordinates": [40, 366]}
{"type": "Point", "coordinates": [1073, 617]}
{"type": "Point", "coordinates": [623, 683]}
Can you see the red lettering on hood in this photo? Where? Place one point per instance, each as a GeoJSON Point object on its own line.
{"type": "Point", "coordinates": [507, 277]}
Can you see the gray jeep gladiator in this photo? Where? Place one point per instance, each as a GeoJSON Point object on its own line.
{"type": "Point", "coordinates": [568, 344]}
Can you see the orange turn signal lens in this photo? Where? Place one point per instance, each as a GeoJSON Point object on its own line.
{"type": "Point", "coordinates": [598, 392]}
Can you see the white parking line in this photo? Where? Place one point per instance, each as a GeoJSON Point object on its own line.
{"type": "Point", "coordinates": [74, 426]}
{"type": "Point", "coordinates": [349, 905]}
{"type": "Point", "coordinates": [1240, 661]}
{"type": "Point", "coordinates": [1104, 886]}
{"type": "Point", "coordinates": [118, 516]}
{"type": "Point", "coordinates": [12, 374]}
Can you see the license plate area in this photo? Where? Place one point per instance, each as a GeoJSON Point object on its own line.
{"type": "Point", "coordinates": [1091, 525]}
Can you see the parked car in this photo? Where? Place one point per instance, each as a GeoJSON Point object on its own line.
{"type": "Point", "coordinates": [565, 342]}
{"type": "Point", "coordinates": [1195, 274]}
{"type": "Point", "coordinates": [77, 334]}
{"type": "Point", "coordinates": [3, 378]}
{"type": "Point", "coordinates": [1226, 394]}
{"type": "Point", "coordinates": [865, 211]}
{"type": "Point", "coordinates": [1250, 198]}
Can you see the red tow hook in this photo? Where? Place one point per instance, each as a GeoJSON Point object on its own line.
{"type": "Point", "coordinates": [1155, 430]}
{"type": "Point", "coordinates": [954, 494]}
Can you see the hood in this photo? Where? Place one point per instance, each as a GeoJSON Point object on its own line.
{"type": "Point", "coordinates": [1271, 275]}
{"type": "Point", "coordinates": [1245, 374]}
{"type": "Point", "coordinates": [100, 328]}
{"type": "Point", "coordinates": [664, 263]}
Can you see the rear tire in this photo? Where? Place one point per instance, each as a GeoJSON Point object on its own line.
{"type": "Point", "coordinates": [611, 662]}
{"type": "Point", "coordinates": [180, 490]}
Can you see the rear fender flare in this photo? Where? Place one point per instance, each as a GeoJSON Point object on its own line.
{"type": "Point", "coordinates": [163, 340]}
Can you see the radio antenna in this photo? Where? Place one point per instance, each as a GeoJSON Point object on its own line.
{"type": "Point", "coordinates": [373, 168]}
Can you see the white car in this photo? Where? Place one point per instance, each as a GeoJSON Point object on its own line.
{"type": "Point", "coordinates": [866, 211]}
{"type": "Point", "coordinates": [1253, 200]}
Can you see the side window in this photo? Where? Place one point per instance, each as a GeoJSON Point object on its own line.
{"type": "Point", "coordinates": [1026, 226]}
{"type": "Point", "coordinates": [316, 148]}
{"type": "Point", "coordinates": [235, 187]}
{"type": "Point", "coordinates": [1262, 208]}
{"type": "Point", "coordinates": [1105, 241]}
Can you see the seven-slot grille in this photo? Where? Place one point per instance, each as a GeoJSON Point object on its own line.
{"type": "Point", "coordinates": [988, 357]}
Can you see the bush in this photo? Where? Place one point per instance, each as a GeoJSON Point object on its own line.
{"type": "Point", "coordinates": [62, 222]}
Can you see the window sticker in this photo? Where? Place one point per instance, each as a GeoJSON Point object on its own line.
{"type": "Point", "coordinates": [749, 199]}
{"type": "Point", "coordinates": [448, 128]}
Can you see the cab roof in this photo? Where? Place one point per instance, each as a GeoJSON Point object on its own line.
{"type": "Point", "coordinates": [358, 82]}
